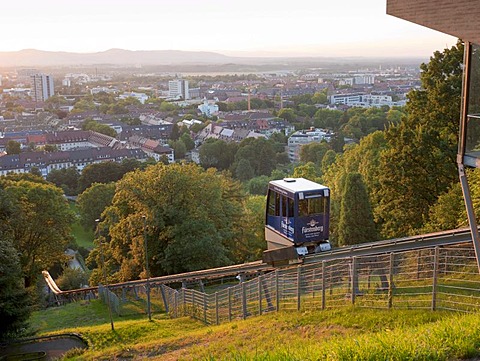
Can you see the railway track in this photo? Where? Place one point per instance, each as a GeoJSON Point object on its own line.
{"type": "Point", "coordinates": [444, 238]}
{"type": "Point", "coordinates": [244, 268]}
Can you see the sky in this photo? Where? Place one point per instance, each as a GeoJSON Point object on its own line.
{"type": "Point", "coordinates": [230, 27]}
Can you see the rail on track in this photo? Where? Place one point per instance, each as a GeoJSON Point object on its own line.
{"type": "Point", "coordinates": [374, 249]}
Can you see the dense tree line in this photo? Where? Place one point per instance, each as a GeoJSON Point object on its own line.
{"type": "Point", "coordinates": [195, 219]}
{"type": "Point", "coordinates": [409, 169]}
{"type": "Point", "coordinates": [35, 223]}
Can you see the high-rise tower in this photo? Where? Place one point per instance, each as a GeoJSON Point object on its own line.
{"type": "Point", "coordinates": [41, 87]}
{"type": "Point", "coordinates": [178, 87]}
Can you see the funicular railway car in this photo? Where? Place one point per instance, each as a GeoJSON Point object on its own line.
{"type": "Point", "coordinates": [296, 220]}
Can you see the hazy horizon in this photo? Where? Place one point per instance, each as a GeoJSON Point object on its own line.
{"type": "Point", "coordinates": [235, 28]}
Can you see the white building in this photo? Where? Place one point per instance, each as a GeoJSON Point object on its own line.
{"type": "Point", "coordinates": [347, 99]}
{"type": "Point", "coordinates": [103, 89]}
{"type": "Point", "coordinates": [178, 88]}
{"type": "Point", "coordinates": [346, 81]}
{"type": "Point", "coordinates": [208, 108]}
{"type": "Point", "coordinates": [41, 87]}
{"type": "Point", "coordinates": [302, 137]}
{"type": "Point", "coordinates": [366, 79]}
{"type": "Point", "coordinates": [142, 97]}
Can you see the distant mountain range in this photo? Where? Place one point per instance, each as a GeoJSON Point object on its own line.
{"type": "Point", "coordinates": [121, 57]}
{"type": "Point", "coordinates": [32, 57]}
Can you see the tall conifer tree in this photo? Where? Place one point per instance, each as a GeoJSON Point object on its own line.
{"type": "Point", "coordinates": [356, 219]}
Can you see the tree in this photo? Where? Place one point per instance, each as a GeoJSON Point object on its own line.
{"type": "Point", "coordinates": [328, 119]}
{"type": "Point", "coordinates": [72, 279]}
{"type": "Point", "coordinates": [313, 152]}
{"type": "Point", "coordinates": [244, 170]}
{"type": "Point", "coordinates": [192, 217]}
{"type": "Point", "coordinates": [356, 219]}
{"type": "Point", "coordinates": [287, 114]}
{"type": "Point", "coordinates": [363, 158]}
{"type": "Point", "coordinates": [104, 172]}
{"type": "Point", "coordinates": [307, 171]}
{"type": "Point", "coordinates": [65, 178]}
{"type": "Point", "coordinates": [258, 185]}
{"type": "Point", "coordinates": [179, 148]}
{"type": "Point", "coordinates": [41, 226]}
{"type": "Point", "coordinates": [36, 171]}
{"type": "Point", "coordinates": [175, 134]}
{"type": "Point", "coordinates": [93, 125]}
{"type": "Point", "coordinates": [13, 147]}
{"type": "Point", "coordinates": [328, 159]}
{"type": "Point", "coordinates": [188, 141]}
{"type": "Point", "coordinates": [419, 162]}
{"type": "Point", "coordinates": [49, 148]}
{"type": "Point", "coordinates": [217, 153]}
{"type": "Point", "coordinates": [14, 300]}
{"type": "Point", "coordinates": [93, 201]}
{"type": "Point", "coordinates": [259, 153]}
{"type": "Point", "coordinates": [252, 241]}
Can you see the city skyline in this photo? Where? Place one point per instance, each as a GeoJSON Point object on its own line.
{"type": "Point", "coordinates": [236, 28]}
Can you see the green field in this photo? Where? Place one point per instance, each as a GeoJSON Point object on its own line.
{"type": "Point", "coordinates": [346, 334]}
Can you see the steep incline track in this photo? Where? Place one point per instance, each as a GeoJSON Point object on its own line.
{"type": "Point", "coordinates": [444, 238]}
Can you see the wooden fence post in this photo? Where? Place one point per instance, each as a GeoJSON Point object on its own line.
{"type": "Point", "coordinates": [229, 304]}
{"type": "Point", "coordinates": [217, 316]}
{"type": "Point", "coordinates": [323, 285]}
{"type": "Point", "coordinates": [205, 307]}
{"type": "Point", "coordinates": [354, 279]}
{"type": "Point", "coordinates": [390, 281]}
{"type": "Point", "coordinates": [299, 289]}
{"type": "Point", "coordinates": [244, 301]}
{"type": "Point", "coordinates": [435, 278]}
{"type": "Point", "coordinates": [259, 280]}
{"type": "Point", "coordinates": [277, 290]}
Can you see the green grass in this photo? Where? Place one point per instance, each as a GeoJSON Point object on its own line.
{"type": "Point", "coordinates": [342, 334]}
{"type": "Point", "coordinates": [83, 238]}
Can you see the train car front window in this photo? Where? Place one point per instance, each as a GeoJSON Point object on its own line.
{"type": "Point", "coordinates": [311, 206]}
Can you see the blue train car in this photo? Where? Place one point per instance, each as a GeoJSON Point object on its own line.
{"type": "Point", "coordinates": [297, 216]}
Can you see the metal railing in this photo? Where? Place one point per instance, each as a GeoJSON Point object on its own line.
{"type": "Point", "coordinates": [433, 278]}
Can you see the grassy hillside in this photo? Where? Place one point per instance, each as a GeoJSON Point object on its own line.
{"type": "Point", "coordinates": [82, 237]}
{"type": "Point", "coordinates": [342, 334]}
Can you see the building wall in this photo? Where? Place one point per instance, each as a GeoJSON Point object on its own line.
{"type": "Point", "coordinates": [178, 87]}
{"type": "Point", "coordinates": [41, 87]}
{"type": "Point", "coordinates": [458, 18]}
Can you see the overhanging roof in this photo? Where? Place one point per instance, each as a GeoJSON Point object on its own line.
{"type": "Point", "coordinates": [459, 18]}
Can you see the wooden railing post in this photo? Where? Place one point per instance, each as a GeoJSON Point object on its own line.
{"type": "Point", "coordinates": [277, 291]}
{"type": "Point", "coordinates": [354, 279]}
{"type": "Point", "coordinates": [217, 316]}
{"type": "Point", "coordinates": [390, 281]}
{"type": "Point", "coordinates": [299, 289]}
{"type": "Point", "coordinates": [259, 279]}
{"type": "Point", "coordinates": [323, 285]}
{"type": "Point", "coordinates": [229, 304]}
{"type": "Point", "coordinates": [435, 278]}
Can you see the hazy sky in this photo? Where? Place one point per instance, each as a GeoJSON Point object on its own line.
{"type": "Point", "coordinates": [232, 27]}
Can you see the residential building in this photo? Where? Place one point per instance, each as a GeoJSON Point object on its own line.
{"type": "Point", "coordinates": [178, 88]}
{"type": "Point", "coordinates": [346, 98]}
{"type": "Point", "coordinates": [208, 108]}
{"type": "Point", "coordinates": [302, 137]}
{"type": "Point", "coordinates": [41, 87]}
{"type": "Point", "coordinates": [153, 148]}
{"type": "Point", "coordinates": [80, 158]}
{"type": "Point", "coordinates": [142, 97]}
